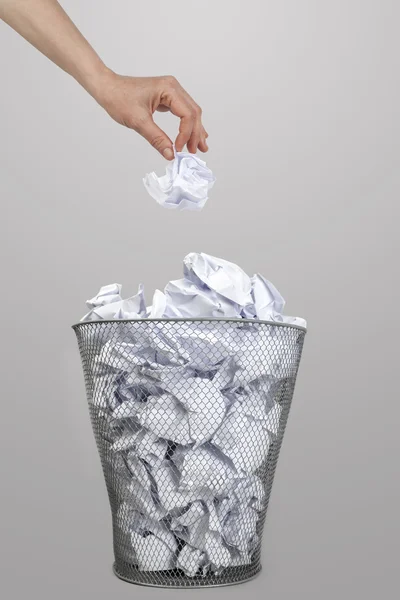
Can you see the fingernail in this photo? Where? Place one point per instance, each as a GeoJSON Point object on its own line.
{"type": "Point", "coordinates": [168, 154]}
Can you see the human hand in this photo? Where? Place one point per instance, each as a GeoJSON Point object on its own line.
{"type": "Point", "coordinates": [132, 101]}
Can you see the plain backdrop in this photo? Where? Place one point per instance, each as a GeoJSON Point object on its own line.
{"type": "Point", "coordinates": [301, 100]}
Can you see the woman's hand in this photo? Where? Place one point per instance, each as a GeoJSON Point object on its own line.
{"type": "Point", "coordinates": [132, 101]}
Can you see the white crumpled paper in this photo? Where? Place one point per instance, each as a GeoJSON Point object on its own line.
{"type": "Point", "coordinates": [185, 184]}
{"type": "Point", "coordinates": [108, 304]}
{"type": "Point", "coordinates": [211, 287]}
{"type": "Point", "coordinates": [189, 414]}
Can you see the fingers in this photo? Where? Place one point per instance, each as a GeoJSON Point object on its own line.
{"type": "Point", "coordinates": [203, 146]}
{"type": "Point", "coordinates": [198, 139]}
{"type": "Point", "coordinates": [156, 137]}
{"type": "Point", "coordinates": [191, 130]}
{"type": "Point", "coordinates": [192, 133]}
{"type": "Point", "coordinates": [185, 132]}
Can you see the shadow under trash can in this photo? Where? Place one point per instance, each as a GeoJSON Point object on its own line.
{"type": "Point", "coordinates": [189, 417]}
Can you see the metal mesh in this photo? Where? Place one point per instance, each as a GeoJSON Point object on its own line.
{"type": "Point", "coordinates": [188, 417]}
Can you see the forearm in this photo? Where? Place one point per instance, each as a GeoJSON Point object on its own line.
{"type": "Point", "coordinates": [46, 26]}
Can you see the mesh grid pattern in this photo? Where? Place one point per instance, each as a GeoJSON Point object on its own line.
{"type": "Point", "coordinates": [188, 417]}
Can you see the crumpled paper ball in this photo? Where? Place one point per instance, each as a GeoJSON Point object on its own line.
{"type": "Point", "coordinates": [185, 185]}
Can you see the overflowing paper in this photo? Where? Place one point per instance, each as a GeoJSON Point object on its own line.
{"type": "Point", "coordinates": [108, 304]}
{"type": "Point", "coordinates": [189, 413]}
{"type": "Point", "coordinates": [211, 287]}
{"type": "Point", "coordinates": [184, 186]}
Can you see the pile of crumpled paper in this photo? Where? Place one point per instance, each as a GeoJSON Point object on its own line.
{"type": "Point", "coordinates": [211, 288]}
{"type": "Point", "coordinates": [188, 415]}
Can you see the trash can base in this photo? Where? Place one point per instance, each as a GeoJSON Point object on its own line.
{"type": "Point", "coordinates": [184, 582]}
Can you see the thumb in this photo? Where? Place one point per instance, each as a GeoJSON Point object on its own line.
{"type": "Point", "coordinates": [156, 137]}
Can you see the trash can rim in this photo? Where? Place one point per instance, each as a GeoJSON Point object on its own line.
{"type": "Point", "coordinates": [192, 320]}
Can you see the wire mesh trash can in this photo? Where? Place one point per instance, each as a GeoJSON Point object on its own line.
{"type": "Point", "coordinates": [189, 417]}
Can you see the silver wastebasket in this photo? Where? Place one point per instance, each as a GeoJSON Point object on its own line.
{"type": "Point", "coordinates": [189, 417]}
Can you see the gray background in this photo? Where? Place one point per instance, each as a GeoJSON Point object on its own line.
{"type": "Point", "coordinates": [301, 102]}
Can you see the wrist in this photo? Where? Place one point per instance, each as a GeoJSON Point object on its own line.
{"type": "Point", "coordinates": [97, 80]}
